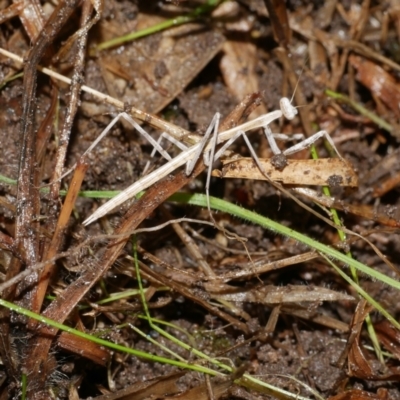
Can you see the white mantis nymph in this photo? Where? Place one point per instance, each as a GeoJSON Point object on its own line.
{"type": "Point", "coordinates": [190, 155]}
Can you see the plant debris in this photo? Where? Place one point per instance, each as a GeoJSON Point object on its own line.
{"type": "Point", "coordinates": [166, 297]}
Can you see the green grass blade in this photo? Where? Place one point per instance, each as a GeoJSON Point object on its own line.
{"type": "Point", "coordinates": [240, 212]}
{"type": "Point", "coordinates": [360, 109]}
{"type": "Point", "coordinates": [102, 342]}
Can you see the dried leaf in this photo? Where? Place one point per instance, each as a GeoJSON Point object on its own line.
{"type": "Point", "coordinates": [378, 81]}
{"type": "Point", "coordinates": [356, 394]}
{"type": "Point", "coordinates": [389, 336]}
{"type": "Point", "coordinates": [280, 22]}
{"type": "Point", "coordinates": [324, 171]}
{"type": "Point", "coordinates": [358, 365]}
{"type": "Point", "coordinates": [84, 348]}
{"type": "Point", "coordinates": [159, 67]}
{"type": "Point", "coordinates": [238, 67]}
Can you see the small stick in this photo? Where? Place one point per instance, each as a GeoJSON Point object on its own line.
{"type": "Point", "coordinates": [77, 78]}
{"type": "Point", "coordinates": [63, 218]}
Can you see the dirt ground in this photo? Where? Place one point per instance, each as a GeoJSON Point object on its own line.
{"type": "Point", "coordinates": [255, 299]}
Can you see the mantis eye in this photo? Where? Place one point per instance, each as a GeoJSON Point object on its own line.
{"type": "Point", "coordinates": [287, 109]}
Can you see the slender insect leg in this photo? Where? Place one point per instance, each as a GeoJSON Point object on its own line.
{"type": "Point", "coordinates": [191, 164]}
{"type": "Point", "coordinates": [271, 140]}
{"type": "Point", "coordinates": [222, 150]}
{"type": "Point", "coordinates": [170, 138]}
{"type": "Point", "coordinates": [153, 142]}
{"type": "Point", "coordinates": [102, 134]}
{"type": "Point", "coordinates": [250, 147]}
{"type": "Point", "coordinates": [287, 138]}
{"type": "Point", "coordinates": [309, 141]}
{"type": "Point", "coordinates": [137, 127]}
{"type": "Point", "coordinates": [271, 137]}
{"type": "Point", "coordinates": [209, 157]}
{"type": "Point", "coordinates": [253, 153]}
{"type": "Point", "coordinates": [96, 142]}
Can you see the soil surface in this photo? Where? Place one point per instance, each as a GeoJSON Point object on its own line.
{"type": "Point", "coordinates": [258, 301]}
